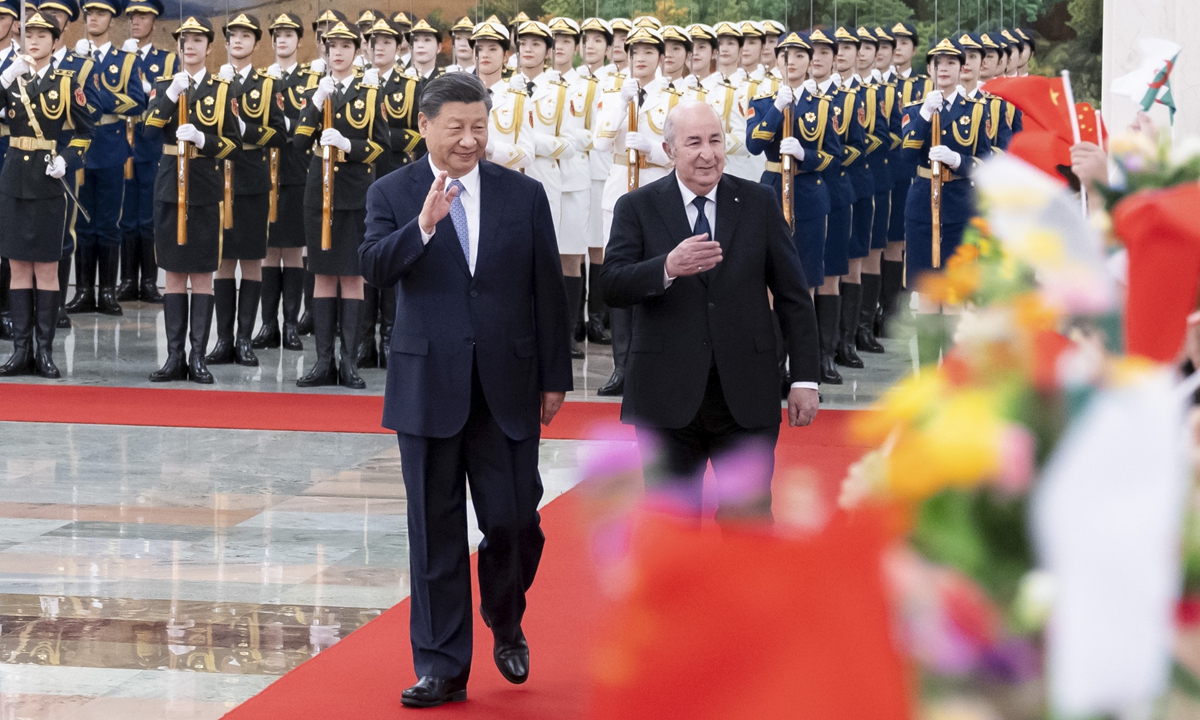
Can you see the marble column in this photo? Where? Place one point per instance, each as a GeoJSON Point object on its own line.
{"type": "Point", "coordinates": [1125, 21]}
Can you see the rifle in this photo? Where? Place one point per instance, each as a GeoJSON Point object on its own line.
{"type": "Point", "coordinates": [130, 124]}
{"type": "Point", "coordinates": [228, 219]}
{"type": "Point", "coordinates": [328, 163]}
{"type": "Point", "coordinates": [937, 176]}
{"type": "Point", "coordinates": [273, 212]}
{"type": "Point", "coordinates": [181, 173]}
{"type": "Point", "coordinates": [789, 181]}
{"type": "Point", "coordinates": [633, 179]}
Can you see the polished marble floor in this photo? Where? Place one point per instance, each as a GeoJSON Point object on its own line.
{"type": "Point", "coordinates": [123, 351]}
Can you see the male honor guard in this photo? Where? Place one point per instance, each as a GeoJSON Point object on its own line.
{"type": "Point", "coordinates": [40, 103]}
{"type": "Point", "coordinates": [139, 267]}
{"type": "Point", "coordinates": [121, 97]}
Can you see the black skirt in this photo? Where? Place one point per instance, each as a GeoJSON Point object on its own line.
{"type": "Point", "coordinates": [349, 228]}
{"type": "Point", "coordinates": [32, 230]}
{"type": "Point", "coordinates": [247, 239]}
{"type": "Point", "coordinates": [288, 230]}
{"type": "Point", "coordinates": [202, 253]}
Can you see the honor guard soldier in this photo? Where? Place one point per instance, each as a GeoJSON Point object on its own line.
{"type": "Point", "coordinates": [758, 81]}
{"type": "Point", "coordinates": [621, 27]}
{"type": "Point", "coordinates": [642, 94]}
{"type": "Point", "coordinates": [259, 110]}
{"type": "Point", "coordinates": [460, 46]}
{"type": "Point", "coordinates": [283, 269]}
{"type": "Point", "coordinates": [139, 268]}
{"type": "Point", "coordinates": [704, 50]}
{"type": "Point", "coordinates": [426, 41]}
{"type": "Point", "coordinates": [10, 13]}
{"type": "Point", "coordinates": [403, 23]}
{"type": "Point", "coordinates": [752, 50]}
{"type": "Point", "coordinates": [120, 98]}
{"type": "Point", "coordinates": [513, 26]}
{"type": "Point", "coordinates": [355, 137]}
{"type": "Point", "coordinates": [891, 265]}
{"type": "Point", "coordinates": [399, 92]}
{"type": "Point", "coordinates": [953, 148]}
{"type": "Point", "coordinates": [973, 47]}
{"type": "Point", "coordinates": [39, 104]}
{"type": "Point", "coordinates": [366, 20]}
{"type": "Point", "coordinates": [812, 144]}
{"type": "Point", "coordinates": [725, 91]}
{"type": "Point", "coordinates": [1028, 48]}
{"type": "Point", "coordinates": [773, 32]}
{"type": "Point", "coordinates": [1001, 111]}
{"type": "Point", "coordinates": [1016, 51]}
{"type": "Point", "coordinates": [191, 253]}
{"type": "Point", "coordinates": [510, 136]}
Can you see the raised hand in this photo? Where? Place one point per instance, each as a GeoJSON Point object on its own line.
{"type": "Point", "coordinates": [693, 256]}
{"type": "Point", "coordinates": [437, 204]}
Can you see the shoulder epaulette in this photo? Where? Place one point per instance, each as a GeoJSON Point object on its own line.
{"type": "Point", "coordinates": [61, 72]}
{"type": "Point", "coordinates": [915, 104]}
{"type": "Point", "coordinates": [763, 95]}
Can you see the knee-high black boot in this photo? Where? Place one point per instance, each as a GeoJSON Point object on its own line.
{"type": "Point", "coordinates": [387, 318]}
{"type": "Point", "coordinates": [307, 322]}
{"type": "Point", "coordinates": [110, 264]}
{"type": "Point", "coordinates": [6, 325]}
{"type": "Point", "coordinates": [268, 335]}
{"type": "Point", "coordinates": [127, 291]}
{"type": "Point", "coordinates": [85, 281]}
{"type": "Point", "coordinates": [864, 338]}
{"type": "Point", "coordinates": [367, 356]}
{"type": "Point", "coordinates": [247, 312]}
{"type": "Point", "coordinates": [201, 322]}
{"type": "Point", "coordinates": [175, 316]}
{"type": "Point", "coordinates": [225, 299]}
{"type": "Point", "coordinates": [622, 335]}
{"type": "Point", "coordinates": [64, 279]}
{"type": "Point", "coordinates": [21, 308]}
{"type": "Point", "coordinates": [851, 302]}
{"type": "Point", "coordinates": [292, 282]}
{"type": "Point", "coordinates": [828, 311]}
{"type": "Point", "coordinates": [348, 373]}
{"type": "Point", "coordinates": [148, 292]}
{"type": "Point", "coordinates": [324, 371]}
{"type": "Point", "coordinates": [47, 316]}
{"type": "Point", "coordinates": [891, 281]}
{"type": "Point", "coordinates": [574, 286]}
{"type": "Point", "coordinates": [595, 308]}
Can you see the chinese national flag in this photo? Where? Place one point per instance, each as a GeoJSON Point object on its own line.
{"type": "Point", "coordinates": [1047, 138]}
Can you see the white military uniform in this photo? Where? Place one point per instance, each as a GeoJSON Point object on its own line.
{"type": "Point", "coordinates": [727, 96]}
{"type": "Point", "coordinates": [509, 131]}
{"type": "Point", "coordinates": [576, 129]}
{"type": "Point", "coordinates": [760, 83]}
{"type": "Point", "coordinates": [609, 136]}
{"type": "Point", "coordinates": [545, 109]}
{"type": "Point", "coordinates": [587, 91]}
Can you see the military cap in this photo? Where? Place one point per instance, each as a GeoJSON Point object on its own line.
{"type": "Point", "coordinates": [992, 41]}
{"type": "Point", "coordinates": [620, 25]}
{"type": "Point", "coordinates": [751, 29]}
{"type": "Point", "coordinates": [342, 31]}
{"type": "Point", "coordinates": [70, 7]}
{"type": "Point", "coordinates": [565, 26]}
{"type": "Point", "coordinates": [154, 7]}
{"type": "Point", "coordinates": [902, 29]}
{"type": "Point", "coordinates": [464, 24]}
{"type": "Point", "coordinates": [728, 29]}
{"type": "Point", "coordinates": [44, 22]}
{"type": "Point", "coordinates": [367, 18]}
{"type": "Point", "coordinates": [10, 8]}
{"type": "Point", "coordinates": [329, 17]}
{"type": "Point", "coordinates": [533, 28]}
{"type": "Point", "coordinates": [846, 34]}
{"type": "Point", "coordinates": [677, 34]}
{"type": "Point", "coordinates": [866, 35]}
{"type": "Point", "coordinates": [794, 41]}
{"type": "Point", "coordinates": [116, 7]}
{"type": "Point", "coordinates": [492, 29]}
{"type": "Point", "coordinates": [383, 26]}
{"type": "Point", "coordinates": [646, 36]}
{"type": "Point", "coordinates": [245, 21]}
{"type": "Point", "coordinates": [598, 25]}
{"type": "Point", "coordinates": [1012, 39]}
{"type": "Point", "coordinates": [195, 25]}
{"type": "Point", "coordinates": [700, 32]}
{"type": "Point", "coordinates": [402, 21]}
{"type": "Point", "coordinates": [883, 36]}
{"type": "Point", "coordinates": [818, 37]}
{"type": "Point", "coordinates": [287, 21]}
{"type": "Point", "coordinates": [774, 28]}
{"type": "Point", "coordinates": [647, 21]}
{"type": "Point", "coordinates": [970, 41]}
{"type": "Point", "coordinates": [425, 28]}
{"type": "Point", "coordinates": [946, 47]}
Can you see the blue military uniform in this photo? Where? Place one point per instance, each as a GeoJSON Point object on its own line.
{"type": "Point", "coordinates": [139, 268]}
{"type": "Point", "coordinates": [119, 95]}
{"type": "Point", "coordinates": [12, 9]}
{"type": "Point", "coordinates": [862, 177]}
{"type": "Point", "coordinates": [963, 130]}
{"type": "Point", "coordinates": [1000, 111]}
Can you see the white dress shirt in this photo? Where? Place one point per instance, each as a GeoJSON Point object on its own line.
{"type": "Point", "coordinates": [469, 195]}
{"type": "Point", "coordinates": [710, 212]}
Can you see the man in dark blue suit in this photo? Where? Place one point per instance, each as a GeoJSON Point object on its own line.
{"type": "Point", "coordinates": [479, 355]}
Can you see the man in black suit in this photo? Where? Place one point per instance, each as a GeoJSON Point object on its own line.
{"type": "Point", "coordinates": [703, 381]}
{"type": "Point", "coordinates": [479, 355]}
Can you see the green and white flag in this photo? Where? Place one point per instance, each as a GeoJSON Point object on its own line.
{"type": "Point", "coordinates": [1151, 82]}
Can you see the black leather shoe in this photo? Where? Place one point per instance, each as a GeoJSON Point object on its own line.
{"type": "Point", "coordinates": [615, 387]}
{"type": "Point", "coordinates": [576, 352]}
{"type": "Point", "coordinates": [433, 691]}
{"type": "Point", "coordinates": [268, 337]}
{"type": "Point", "coordinates": [6, 326]}
{"type": "Point", "coordinates": [243, 354]}
{"type": "Point", "coordinates": [291, 337]}
{"type": "Point", "coordinates": [222, 353]}
{"type": "Point", "coordinates": [127, 291]}
{"type": "Point", "coordinates": [305, 326]}
{"type": "Point", "coordinates": [829, 371]}
{"type": "Point", "coordinates": [512, 659]}
{"type": "Point", "coordinates": [83, 302]}
{"type": "Point", "coordinates": [596, 334]}
{"type": "Point", "coordinates": [847, 356]}
{"type": "Point", "coordinates": [580, 331]}
{"type": "Point", "coordinates": [865, 340]}
{"type": "Point", "coordinates": [149, 293]}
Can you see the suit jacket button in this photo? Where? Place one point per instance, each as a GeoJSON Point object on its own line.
{"type": "Point", "coordinates": [474, 293]}
{"type": "Point", "coordinates": [712, 306]}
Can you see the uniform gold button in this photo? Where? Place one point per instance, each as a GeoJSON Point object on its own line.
{"type": "Point", "coordinates": [26, 158]}
{"type": "Point", "coordinates": [339, 116]}
{"type": "Point", "coordinates": [818, 182]}
{"type": "Point", "coordinates": [335, 169]}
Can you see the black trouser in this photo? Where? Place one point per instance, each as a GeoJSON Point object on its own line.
{"type": "Point", "coordinates": [743, 459]}
{"type": "Point", "coordinates": [505, 489]}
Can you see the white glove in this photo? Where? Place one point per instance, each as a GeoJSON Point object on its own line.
{"type": "Point", "coordinates": [784, 97]}
{"type": "Point", "coordinates": [84, 47]}
{"type": "Point", "coordinates": [179, 84]}
{"type": "Point", "coordinates": [933, 103]}
{"type": "Point", "coordinates": [275, 71]}
{"type": "Point", "coordinates": [325, 90]}
{"type": "Point", "coordinates": [945, 155]}
{"type": "Point", "coordinates": [334, 138]}
{"type": "Point", "coordinates": [811, 86]}
{"type": "Point", "coordinates": [518, 82]}
{"type": "Point", "coordinates": [318, 66]}
{"type": "Point", "coordinates": [189, 133]}
{"type": "Point", "coordinates": [226, 72]}
{"type": "Point", "coordinates": [758, 74]}
{"type": "Point", "coordinates": [57, 167]}
{"type": "Point", "coordinates": [638, 141]}
{"type": "Point", "coordinates": [14, 71]}
{"type": "Point", "coordinates": [371, 76]}
{"type": "Point", "coordinates": [791, 146]}
{"type": "Point", "coordinates": [130, 45]}
{"type": "Point", "coordinates": [629, 90]}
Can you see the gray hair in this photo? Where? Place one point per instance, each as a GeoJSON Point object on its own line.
{"type": "Point", "coordinates": [669, 126]}
{"type": "Point", "coordinates": [457, 87]}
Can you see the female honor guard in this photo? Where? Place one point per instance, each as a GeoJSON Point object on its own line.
{"type": "Point", "coordinates": [285, 237]}
{"type": "Point", "coordinates": [208, 138]}
{"type": "Point", "coordinates": [510, 137]}
{"type": "Point", "coordinates": [258, 106]}
{"type": "Point", "coordinates": [39, 104]}
{"type": "Point", "coordinates": [596, 43]}
{"type": "Point", "coordinates": [356, 137]}
{"type": "Point", "coordinates": [956, 146]}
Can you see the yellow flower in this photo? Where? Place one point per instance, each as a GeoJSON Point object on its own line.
{"type": "Point", "coordinates": [903, 404]}
{"type": "Point", "coordinates": [959, 446]}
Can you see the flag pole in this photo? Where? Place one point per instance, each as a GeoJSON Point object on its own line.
{"type": "Point", "coordinates": [1066, 78]}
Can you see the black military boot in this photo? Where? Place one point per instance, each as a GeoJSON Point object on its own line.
{"type": "Point", "coordinates": [622, 327]}
{"type": "Point", "coordinates": [324, 371]}
{"type": "Point", "coordinates": [6, 325]}
{"type": "Point", "coordinates": [127, 290]}
{"type": "Point", "coordinates": [367, 356]}
{"type": "Point", "coordinates": [846, 355]}
{"type": "Point", "coordinates": [574, 287]}
{"type": "Point", "coordinates": [351, 315]}
{"type": "Point", "coordinates": [268, 335]}
{"type": "Point", "coordinates": [864, 337]}
{"type": "Point", "coordinates": [891, 282]}
{"type": "Point", "coordinates": [85, 282]}
{"type": "Point", "coordinates": [64, 278]}
{"type": "Point", "coordinates": [201, 322]}
{"type": "Point", "coordinates": [307, 322]}
{"type": "Point", "coordinates": [175, 317]}
{"type": "Point", "coordinates": [292, 282]}
{"type": "Point", "coordinates": [828, 310]}
{"type": "Point", "coordinates": [387, 318]}
{"type": "Point", "coordinates": [148, 292]}
{"type": "Point", "coordinates": [21, 308]}
{"type": "Point", "coordinates": [247, 313]}
{"type": "Point", "coordinates": [225, 299]}
{"type": "Point", "coordinates": [110, 264]}
{"type": "Point", "coordinates": [595, 308]}
{"type": "Point", "coordinates": [47, 316]}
